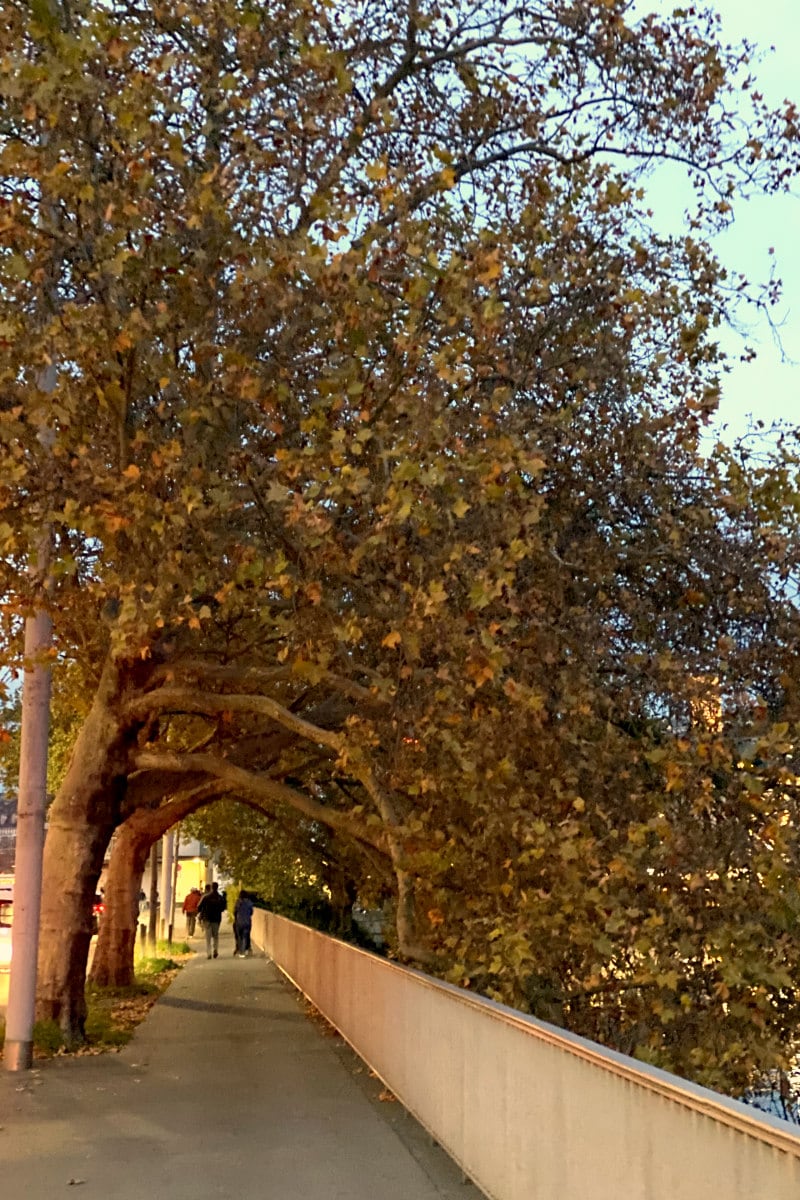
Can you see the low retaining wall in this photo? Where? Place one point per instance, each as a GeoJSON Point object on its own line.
{"type": "Point", "coordinates": [529, 1111]}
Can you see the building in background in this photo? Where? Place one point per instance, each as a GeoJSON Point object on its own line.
{"type": "Point", "coordinates": [8, 834]}
{"type": "Point", "coordinates": [194, 868]}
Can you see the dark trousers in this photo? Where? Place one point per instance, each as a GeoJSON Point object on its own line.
{"type": "Point", "coordinates": [211, 930]}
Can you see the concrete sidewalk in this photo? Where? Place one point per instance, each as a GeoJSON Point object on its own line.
{"type": "Point", "coordinates": [228, 1090]}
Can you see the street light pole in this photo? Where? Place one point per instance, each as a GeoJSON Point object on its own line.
{"type": "Point", "coordinates": [31, 805]}
{"type": "Point", "coordinates": [176, 847]}
{"type": "Point", "coordinates": [34, 720]}
{"type": "Point", "coordinates": [167, 852]}
{"type": "Point", "coordinates": [31, 798]}
{"type": "Point", "coordinates": [152, 921]}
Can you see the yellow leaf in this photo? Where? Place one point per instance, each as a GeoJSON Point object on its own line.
{"type": "Point", "coordinates": [461, 508]}
{"type": "Point", "coordinates": [392, 639]}
{"type": "Point", "coordinates": [493, 268]}
{"type": "Point", "coordinates": [132, 472]}
{"type": "Point", "coordinates": [116, 49]}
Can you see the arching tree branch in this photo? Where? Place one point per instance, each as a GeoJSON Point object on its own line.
{"type": "Point", "coordinates": [260, 786]}
{"type": "Point", "coordinates": [184, 700]}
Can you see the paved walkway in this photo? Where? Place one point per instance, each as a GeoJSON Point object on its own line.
{"type": "Point", "coordinates": [229, 1089]}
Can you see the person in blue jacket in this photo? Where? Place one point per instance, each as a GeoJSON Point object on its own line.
{"type": "Point", "coordinates": [242, 923]}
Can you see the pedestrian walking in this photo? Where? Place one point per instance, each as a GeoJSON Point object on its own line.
{"type": "Point", "coordinates": [143, 914]}
{"type": "Point", "coordinates": [206, 892]}
{"type": "Point", "coordinates": [210, 911]}
{"type": "Point", "coordinates": [242, 923]}
{"type": "Point", "coordinates": [191, 903]}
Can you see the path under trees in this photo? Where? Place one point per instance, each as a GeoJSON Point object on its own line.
{"type": "Point", "coordinates": [373, 479]}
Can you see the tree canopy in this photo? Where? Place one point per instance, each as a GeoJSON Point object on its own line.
{"type": "Point", "coordinates": [359, 394]}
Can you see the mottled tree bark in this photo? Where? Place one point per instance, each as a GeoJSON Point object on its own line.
{"type": "Point", "coordinates": [114, 953]}
{"type": "Point", "coordinates": [112, 965]}
{"type": "Point", "coordinates": [410, 941]}
{"type": "Point", "coordinates": [81, 822]}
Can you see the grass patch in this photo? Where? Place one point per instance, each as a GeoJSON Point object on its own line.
{"type": "Point", "coordinates": [147, 968]}
{"type": "Point", "coordinates": [47, 1038]}
{"type": "Point", "coordinates": [114, 1013]}
{"type": "Point", "coordinates": [165, 950]}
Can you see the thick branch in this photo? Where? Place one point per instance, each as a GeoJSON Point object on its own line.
{"type": "Point", "coordinates": [181, 803]}
{"type": "Point", "coordinates": [261, 787]}
{"type": "Point", "coordinates": [173, 699]}
{"type": "Point", "coordinates": [231, 673]}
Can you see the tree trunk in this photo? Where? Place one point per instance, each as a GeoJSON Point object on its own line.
{"type": "Point", "coordinates": [409, 941]}
{"type": "Point", "coordinates": [73, 860]}
{"type": "Point", "coordinates": [116, 942]}
{"type": "Point", "coordinates": [112, 965]}
{"type": "Point", "coordinates": [82, 819]}
{"type": "Point", "coordinates": [343, 897]}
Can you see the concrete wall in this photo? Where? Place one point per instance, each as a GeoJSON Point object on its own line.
{"type": "Point", "coordinates": [528, 1111]}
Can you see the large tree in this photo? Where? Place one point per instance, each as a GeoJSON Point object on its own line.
{"type": "Point", "coordinates": [377, 395]}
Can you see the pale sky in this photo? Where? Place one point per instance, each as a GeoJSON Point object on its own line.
{"type": "Point", "coordinates": [769, 388]}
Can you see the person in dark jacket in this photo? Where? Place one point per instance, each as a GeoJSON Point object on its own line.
{"type": "Point", "coordinates": [210, 911]}
{"type": "Point", "coordinates": [242, 923]}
